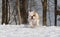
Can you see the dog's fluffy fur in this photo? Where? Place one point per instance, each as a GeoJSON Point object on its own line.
{"type": "Point", "coordinates": [33, 19]}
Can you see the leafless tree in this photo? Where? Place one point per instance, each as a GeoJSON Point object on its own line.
{"type": "Point", "coordinates": [18, 9]}
{"type": "Point", "coordinates": [55, 12]}
{"type": "Point", "coordinates": [44, 4]}
{"type": "Point", "coordinates": [23, 12]}
{"type": "Point", "coordinates": [5, 11]}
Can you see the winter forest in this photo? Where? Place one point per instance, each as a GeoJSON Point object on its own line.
{"type": "Point", "coordinates": [15, 20]}
{"type": "Point", "coordinates": [16, 11]}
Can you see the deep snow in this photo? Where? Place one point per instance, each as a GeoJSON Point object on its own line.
{"type": "Point", "coordinates": [22, 31]}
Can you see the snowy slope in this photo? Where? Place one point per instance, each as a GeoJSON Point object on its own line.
{"type": "Point", "coordinates": [19, 31]}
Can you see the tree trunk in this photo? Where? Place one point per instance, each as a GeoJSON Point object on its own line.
{"type": "Point", "coordinates": [23, 11]}
{"type": "Point", "coordinates": [6, 12]}
{"type": "Point", "coordinates": [44, 3]}
{"type": "Point", "coordinates": [18, 9]}
{"type": "Point", "coordinates": [55, 12]}
{"type": "Point", "coordinates": [3, 11]}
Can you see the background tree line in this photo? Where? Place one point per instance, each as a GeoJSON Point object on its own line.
{"type": "Point", "coordinates": [22, 12]}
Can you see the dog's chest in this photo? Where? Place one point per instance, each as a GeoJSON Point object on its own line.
{"type": "Point", "coordinates": [33, 21]}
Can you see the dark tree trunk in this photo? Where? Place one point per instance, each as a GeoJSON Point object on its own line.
{"type": "Point", "coordinates": [23, 11]}
{"type": "Point", "coordinates": [55, 12]}
{"type": "Point", "coordinates": [6, 12]}
{"type": "Point", "coordinates": [44, 3]}
{"type": "Point", "coordinates": [3, 11]}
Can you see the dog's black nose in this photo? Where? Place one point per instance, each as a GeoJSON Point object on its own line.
{"type": "Point", "coordinates": [31, 17]}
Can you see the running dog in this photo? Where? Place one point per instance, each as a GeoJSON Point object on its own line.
{"type": "Point", "coordinates": [33, 19]}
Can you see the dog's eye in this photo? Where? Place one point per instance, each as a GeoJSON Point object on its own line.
{"type": "Point", "coordinates": [33, 15]}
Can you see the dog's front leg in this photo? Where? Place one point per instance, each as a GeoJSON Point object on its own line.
{"type": "Point", "coordinates": [37, 22]}
{"type": "Point", "coordinates": [31, 24]}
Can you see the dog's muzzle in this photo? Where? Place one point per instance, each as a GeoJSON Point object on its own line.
{"type": "Point", "coordinates": [31, 17]}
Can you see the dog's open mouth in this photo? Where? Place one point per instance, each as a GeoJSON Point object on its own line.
{"type": "Point", "coordinates": [31, 17]}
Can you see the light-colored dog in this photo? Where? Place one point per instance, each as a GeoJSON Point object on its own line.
{"type": "Point", "coordinates": [33, 19]}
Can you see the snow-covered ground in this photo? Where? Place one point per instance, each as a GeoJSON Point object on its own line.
{"type": "Point", "coordinates": [26, 31]}
{"type": "Point", "coordinates": [22, 31]}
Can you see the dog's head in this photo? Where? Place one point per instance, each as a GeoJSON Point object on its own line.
{"type": "Point", "coordinates": [32, 14]}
